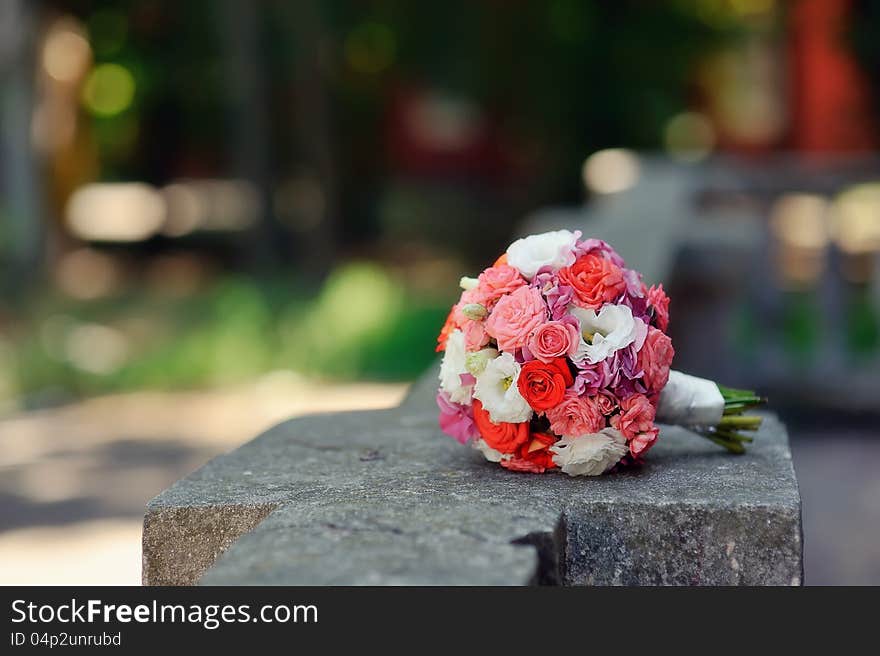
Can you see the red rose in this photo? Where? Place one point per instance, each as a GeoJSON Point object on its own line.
{"type": "Point", "coordinates": [542, 384]}
{"type": "Point", "coordinates": [595, 281]}
{"type": "Point", "coordinates": [503, 437]}
{"type": "Point", "coordinates": [533, 456]}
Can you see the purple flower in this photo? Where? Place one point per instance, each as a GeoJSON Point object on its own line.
{"type": "Point", "coordinates": [456, 420]}
{"type": "Point", "coordinates": [558, 296]}
{"type": "Point", "coordinates": [626, 375]}
{"type": "Point", "coordinates": [592, 377]}
{"type": "Point", "coordinates": [638, 305]}
{"type": "Point", "coordinates": [592, 245]}
{"type": "Point", "coordinates": [634, 286]}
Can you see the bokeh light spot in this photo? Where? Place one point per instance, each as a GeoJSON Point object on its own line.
{"type": "Point", "coordinates": [611, 171]}
{"type": "Point", "coordinates": [689, 136]}
{"type": "Point", "coordinates": [66, 53]}
{"type": "Point", "coordinates": [109, 90]}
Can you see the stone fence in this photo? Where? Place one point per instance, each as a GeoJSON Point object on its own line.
{"type": "Point", "coordinates": [384, 498]}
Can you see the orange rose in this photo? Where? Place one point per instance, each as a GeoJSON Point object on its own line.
{"type": "Point", "coordinates": [542, 384]}
{"type": "Point", "coordinates": [503, 437]}
{"type": "Point", "coordinates": [595, 281]}
{"type": "Point", "coordinates": [533, 456]}
{"type": "Point", "coordinates": [448, 328]}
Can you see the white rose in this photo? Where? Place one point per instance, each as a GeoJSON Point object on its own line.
{"type": "Point", "coordinates": [497, 391]}
{"type": "Point", "coordinates": [554, 249]}
{"type": "Point", "coordinates": [452, 367]}
{"type": "Point", "coordinates": [589, 455]}
{"type": "Point", "coordinates": [612, 329]}
{"type": "Point", "coordinates": [489, 453]}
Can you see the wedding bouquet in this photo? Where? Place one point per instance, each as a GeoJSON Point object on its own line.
{"type": "Point", "coordinates": [557, 357]}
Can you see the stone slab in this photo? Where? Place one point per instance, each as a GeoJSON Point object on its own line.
{"type": "Point", "coordinates": [384, 498]}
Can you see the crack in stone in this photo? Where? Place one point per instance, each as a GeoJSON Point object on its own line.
{"type": "Point", "coordinates": [550, 551]}
{"type": "Point", "coordinates": [375, 527]}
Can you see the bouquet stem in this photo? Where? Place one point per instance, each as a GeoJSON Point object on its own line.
{"type": "Point", "coordinates": [728, 433]}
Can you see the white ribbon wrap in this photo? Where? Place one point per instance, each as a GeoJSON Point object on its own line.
{"type": "Point", "coordinates": [690, 401]}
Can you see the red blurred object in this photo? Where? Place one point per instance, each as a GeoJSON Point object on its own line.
{"type": "Point", "coordinates": [831, 108]}
{"type": "Point", "coordinates": [435, 134]}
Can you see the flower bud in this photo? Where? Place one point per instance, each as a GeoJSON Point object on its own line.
{"type": "Point", "coordinates": [468, 284]}
{"type": "Point", "coordinates": [476, 362]}
{"type": "Point", "coordinates": [475, 311]}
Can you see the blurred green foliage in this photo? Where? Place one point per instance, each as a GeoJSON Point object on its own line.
{"type": "Point", "coordinates": [362, 324]}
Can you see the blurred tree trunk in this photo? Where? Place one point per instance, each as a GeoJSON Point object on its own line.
{"type": "Point", "coordinates": [314, 144]}
{"type": "Point", "coordinates": [249, 125]}
{"type": "Point", "coordinates": [21, 212]}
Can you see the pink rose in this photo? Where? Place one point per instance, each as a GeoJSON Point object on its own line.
{"type": "Point", "coordinates": [475, 335]}
{"type": "Point", "coordinates": [515, 317]}
{"type": "Point", "coordinates": [643, 441]}
{"type": "Point", "coordinates": [654, 360]}
{"type": "Point", "coordinates": [606, 403]}
{"type": "Point", "coordinates": [636, 416]}
{"type": "Point", "coordinates": [659, 301]}
{"type": "Point", "coordinates": [576, 415]}
{"type": "Point", "coordinates": [554, 339]}
{"type": "Point", "coordinates": [497, 281]}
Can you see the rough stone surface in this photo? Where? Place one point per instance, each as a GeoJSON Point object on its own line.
{"type": "Point", "coordinates": [183, 541]}
{"type": "Point", "coordinates": [384, 498]}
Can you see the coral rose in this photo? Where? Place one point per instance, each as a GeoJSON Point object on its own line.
{"type": "Point", "coordinates": [497, 281]}
{"type": "Point", "coordinates": [659, 302]}
{"type": "Point", "coordinates": [555, 339]}
{"type": "Point", "coordinates": [576, 415]}
{"type": "Point", "coordinates": [475, 335]}
{"type": "Point", "coordinates": [595, 281]}
{"type": "Point", "coordinates": [654, 360]}
{"type": "Point", "coordinates": [503, 437]}
{"type": "Point", "coordinates": [543, 384]}
{"type": "Point", "coordinates": [515, 317]}
{"type": "Point", "coordinates": [636, 416]}
{"type": "Point", "coordinates": [643, 441]}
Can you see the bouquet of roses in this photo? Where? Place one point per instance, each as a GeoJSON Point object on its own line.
{"type": "Point", "coordinates": [557, 357]}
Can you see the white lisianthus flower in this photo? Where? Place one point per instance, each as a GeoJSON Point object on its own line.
{"type": "Point", "coordinates": [497, 391]}
{"type": "Point", "coordinates": [589, 455]}
{"type": "Point", "coordinates": [489, 453]}
{"type": "Point", "coordinates": [452, 367]}
{"type": "Point", "coordinates": [612, 329]}
{"type": "Point", "coordinates": [554, 249]}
